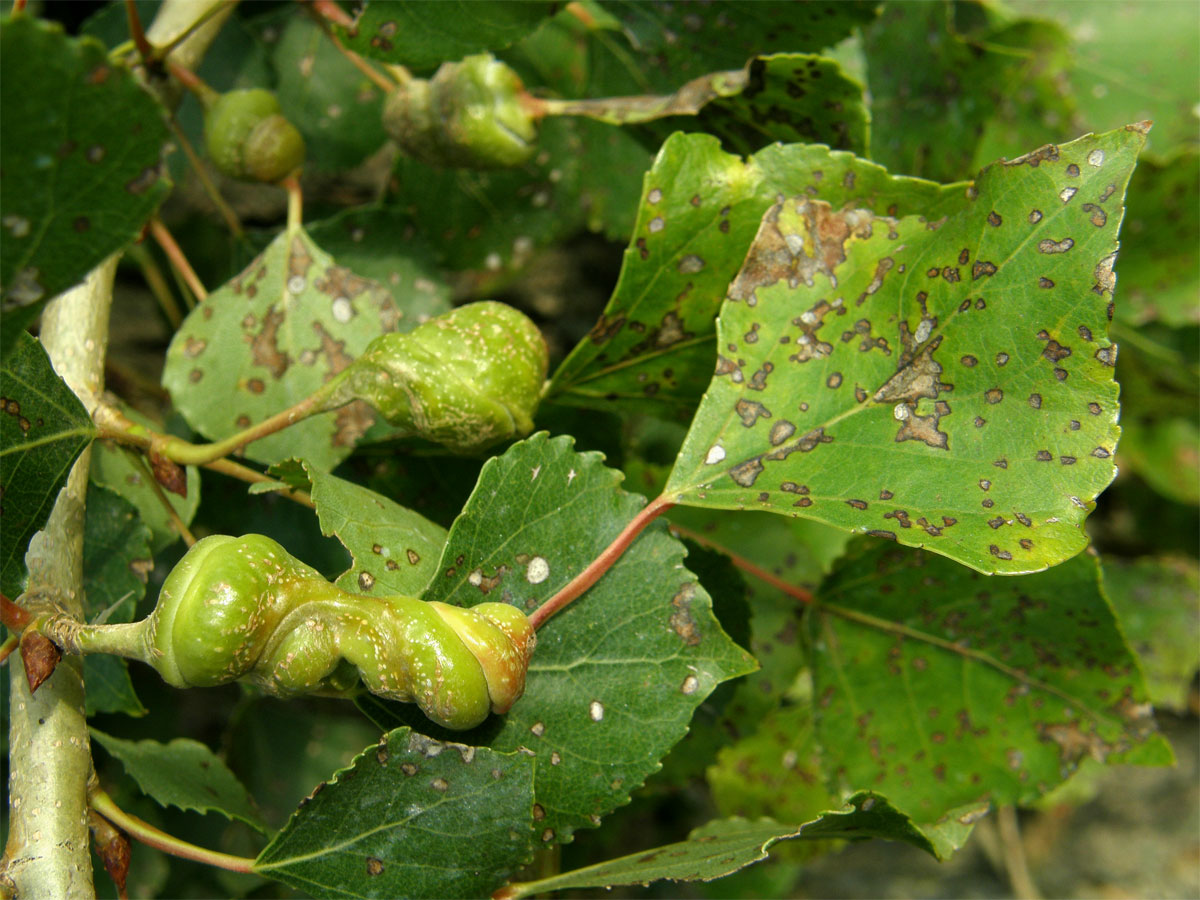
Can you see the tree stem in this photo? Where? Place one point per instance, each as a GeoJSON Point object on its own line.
{"type": "Point", "coordinates": [48, 850]}
{"type": "Point", "coordinates": [602, 563]}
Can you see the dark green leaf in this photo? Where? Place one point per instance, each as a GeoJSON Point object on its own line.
{"type": "Point", "coordinates": [411, 817]}
{"type": "Point", "coordinates": [420, 35]}
{"type": "Point", "coordinates": [337, 109]}
{"type": "Point", "coordinates": [936, 84]}
{"type": "Point", "coordinates": [789, 98]}
{"type": "Point", "coordinates": [944, 383]}
{"type": "Point", "coordinates": [721, 848]}
{"type": "Point", "coordinates": [699, 210]}
{"type": "Point", "coordinates": [43, 428]}
{"type": "Point", "coordinates": [1155, 599]}
{"type": "Point", "coordinates": [116, 563]}
{"type": "Point", "coordinates": [683, 41]}
{"type": "Point", "coordinates": [268, 339]}
{"type": "Point", "coordinates": [940, 687]}
{"type": "Point", "coordinates": [79, 182]}
{"type": "Point", "coordinates": [183, 773]}
{"type": "Point", "coordinates": [774, 771]}
{"type": "Point", "coordinates": [126, 473]}
{"type": "Point", "coordinates": [617, 675]}
{"type": "Point", "coordinates": [394, 550]}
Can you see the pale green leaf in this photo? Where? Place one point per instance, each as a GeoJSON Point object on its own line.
{"type": "Point", "coordinates": [269, 338]}
{"type": "Point", "coordinates": [700, 208]}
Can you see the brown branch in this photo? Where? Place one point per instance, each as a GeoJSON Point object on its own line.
{"type": "Point", "coordinates": [147, 53]}
{"type": "Point", "coordinates": [740, 562]}
{"type": "Point", "coordinates": [177, 259]}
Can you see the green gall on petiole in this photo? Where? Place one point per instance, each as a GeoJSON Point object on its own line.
{"type": "Point", "coordinates": [243, 609]}
{"type": "Point", "coordinates": [248, 137]}
{"type": "Point", "coordinates": [471, 114]}
{"type": "Point", "coordinates": [466, 380]}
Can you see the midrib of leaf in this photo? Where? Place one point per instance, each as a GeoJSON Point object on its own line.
{"type": "Point", "coordinates": [335, 848]}
{"type": "Point", "coordinates": [53, 439]}
{"type": "Point", "coordinates": [967, 653]}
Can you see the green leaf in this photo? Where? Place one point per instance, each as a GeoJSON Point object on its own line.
{"type": "Point", "coordinates": [269, 338]}
{"type": "Point", "coordinates": [493, 221]}
{"type": "Point", "coordinates": [795, 554]}
{"type": "Point", "coordinates": [412, 817]}
{"type": "Point", "coordinates": [183, 773]}
{"type": "Point", "coordinates": [125, 472]}
{"type": "Point", "coordinates": [364, 240]}
{"type": "Point", "coordinates": [786, 97]}
{"type": "Point", "coordinates": [617, 675]}
{"type": "Point", "coordinates": [1158, 271]}
{"type": "Point", "coordinates": [1165, 452]}
{"type": "Point", "coordinates": [939, 687]}
{"type": "Point", "coordinates": [1131, 66]}
{"type": "Point", "coordinates": [334, 106]}
{"type": "Point", "coordinates": [80, 182]}
{"type": "Point", "coordinates": [720, 849]}
{"type": "Point", "coordinates": [1155, 600]}
{"type": "Point", "coordinates": [415, 34]}
{"type": "Point", "coordinates": [925, 65]}
{"type": "Point", "coordinates": [724, 846]}
{"type": "Point", "coordinates": [394, 550]}
{"type": "Point", "coordinates": [43, 428]}
{"type": "Point", "coordinates": [116, 563]}
{"type": "Point", "coordinates": [943, 383]}
{"type": "Point", "coordinates": [699, 211]}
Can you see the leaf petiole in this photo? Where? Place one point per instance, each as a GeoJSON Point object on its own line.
{"type": "Point", "coordinates": [602, 563]}
{"type": "Point", "coordinates": [103, 804]}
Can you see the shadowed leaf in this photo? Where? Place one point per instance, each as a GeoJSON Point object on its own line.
{"type": "Point", "coordinates": [416, 34]}
{"type": "Point", "coordinates": [116, 564]}
{"type": "Point", "coordinates": [940, 687]}
{"type": "Point", "coordinates": [183, 773]}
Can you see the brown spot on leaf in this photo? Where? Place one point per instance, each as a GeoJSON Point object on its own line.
{"type": "Point", "coordinates": [374, 866]}
{"type": "Point", "coordinates": [745, 473]}
{"type": "Point", "coordinates": [982, 269]}
{"type": "Point", "coordinates": [264, 346]}
{"type": "Point", "coordinates": [781, 431]}
{"type": "Point", "coordinates": [1048, 245]}
{"type": "Point", "coordinates": [750, 410]}
{"type": "Point", "coordinates": [682, 621]}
